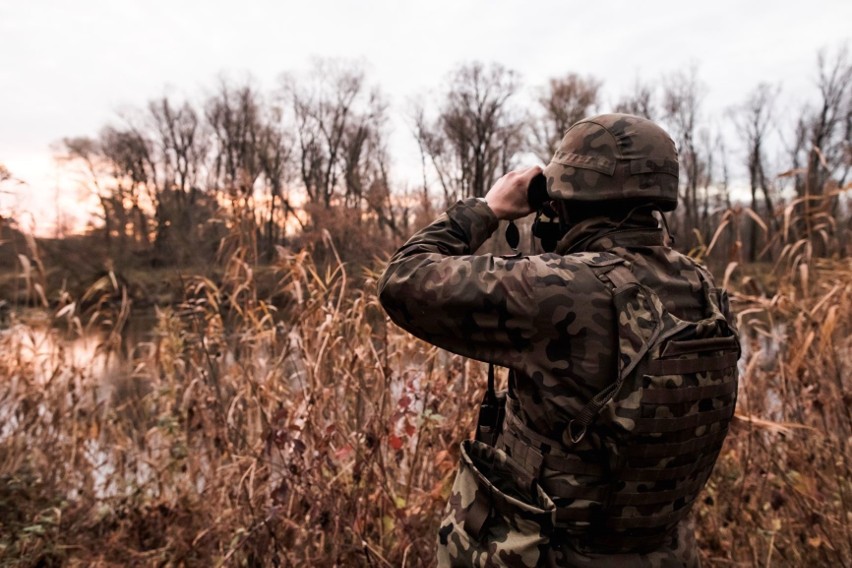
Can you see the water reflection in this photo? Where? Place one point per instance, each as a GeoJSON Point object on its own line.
{"type": "Point", "coordinates": [57, 376]}
{"type": "Point", "coordinates": [49, 352]}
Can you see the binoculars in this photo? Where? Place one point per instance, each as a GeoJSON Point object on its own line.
{"type": "Point", "coordinates": [549, 230]}
{"type": "Point", "coordinates": [537, 192]}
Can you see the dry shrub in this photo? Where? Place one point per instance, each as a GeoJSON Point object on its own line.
{"type": "Point", "coordinates": [312, 435]}
{"type": "Point", "coordinates": [781, 493]}
{"type": "Point", "coordinates": [357, 237]}
{"type": "Point", "coordinates": [305, 430]}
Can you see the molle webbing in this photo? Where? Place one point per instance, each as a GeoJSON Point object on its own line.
{"type": "Point", "coordinates": [676, 423]}
{"type": "Point", "coordinates": [534, 451]}
{"type": "Point", "coordinates": [688, 394]}
{"type": "Point", "coordinates": [684, 366]}
{"type": "Point", "coordinates": [623, 479]}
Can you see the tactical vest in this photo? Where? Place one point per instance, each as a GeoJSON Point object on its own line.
{"type": "Point", "coordinates": [633, 461]}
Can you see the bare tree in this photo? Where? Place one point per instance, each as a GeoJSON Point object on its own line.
{"type": "Point", "coordinates": [323, 105]}
{"type": "Point", "coordinates": [366, 165]}
{"type": "Point", "coordinates": [182, 147]}
{"type": "Point", "coordinates": [104, 171]}
{"type": "Point", "coordinates": [476, 133]}
{"type": "Point", "coordinates": [340, 126]}
{"type": "Point", "coordinates": [724, 180]}
{"type": "Point", "coordinates": [563, 102]}
{"type": "Point", "coordinates": [275, 149]}
{"type": "Point", "coordinates": [682, 94]}
{"type": "Point", "coordinates": [832, 124]}
{"type": "Point", "coordinates": [128, 154]}
{"type": "Point", "coordinates": [707, 163]}
{"type": "Point", "coordinates": [6, 176]}
{"type": "Point", "coordinates": [640, 101]}
{"type": "Point", "coordinates": [235, 117]}
{"type": "Point", "coordinates": [753, 120]}
{"type": "Point", "coordinates": [233, 114]}
{"type": "Point", "coordinates": [820, 150]}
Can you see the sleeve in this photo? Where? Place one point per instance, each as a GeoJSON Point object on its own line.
{"type": "Point", "coordinates": [478, 306]}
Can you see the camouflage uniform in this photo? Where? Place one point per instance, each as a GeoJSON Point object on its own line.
{"type": "Point", "coordinates": [551, 320]}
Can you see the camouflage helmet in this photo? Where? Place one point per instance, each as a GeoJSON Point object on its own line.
{"type": "Point", "coordinates": [615, 157]}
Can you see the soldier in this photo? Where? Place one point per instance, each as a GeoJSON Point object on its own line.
{"type": "Point", "coordinates": [621, 355]}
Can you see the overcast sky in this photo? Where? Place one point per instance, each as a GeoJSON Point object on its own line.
{"type": "Point", "coordinates": [67, 68]}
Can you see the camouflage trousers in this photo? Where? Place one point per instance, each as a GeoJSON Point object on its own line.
{"type": "Point", "coordinates": [498, 516]}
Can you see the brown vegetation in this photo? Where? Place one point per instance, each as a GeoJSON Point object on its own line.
{"type": "Point", "coordinates": [307, 430]}
{"type": "Point", "coordinates": [273, 416]}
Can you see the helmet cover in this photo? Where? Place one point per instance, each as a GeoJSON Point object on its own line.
{"type": "Point", "coordinates": [615, 157]}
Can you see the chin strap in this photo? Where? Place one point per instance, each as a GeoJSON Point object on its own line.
{"type": "Point", "coordinates": [665, 225]}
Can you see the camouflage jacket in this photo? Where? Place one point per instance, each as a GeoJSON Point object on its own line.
{"type": "Point", "coordinates": [548, 317]}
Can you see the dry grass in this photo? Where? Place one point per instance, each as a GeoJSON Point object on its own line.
{"type": "Point", "coordinates": [314, 433]}
{"type": "Point", "coordinates": [781, 494]}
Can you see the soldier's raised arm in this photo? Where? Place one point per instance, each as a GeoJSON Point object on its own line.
{"type": "Point", "coordinates": [480, 306]}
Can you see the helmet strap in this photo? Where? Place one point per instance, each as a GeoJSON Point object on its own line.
{"type": "Point", "coordinates": [665, 224]}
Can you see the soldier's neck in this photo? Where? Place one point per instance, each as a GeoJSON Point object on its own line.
{"type": "Point", "coordinates": [586, 233]}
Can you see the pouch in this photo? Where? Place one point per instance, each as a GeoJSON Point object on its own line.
{"type": "Point", "coordinates": [497, 514]}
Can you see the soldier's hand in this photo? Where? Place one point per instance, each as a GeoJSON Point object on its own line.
{"type": "Point", "coordinates": [508, 197]}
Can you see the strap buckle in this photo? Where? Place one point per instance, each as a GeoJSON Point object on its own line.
{"type": "Point", "coordinates": [578, 437]}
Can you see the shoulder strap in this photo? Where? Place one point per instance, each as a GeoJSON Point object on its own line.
{"type": "Point", "coordinates": [620, 276]}
{"type": "Point", "coordinates": [626, 289]}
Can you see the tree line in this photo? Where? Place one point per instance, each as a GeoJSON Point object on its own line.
{"type": "Point", "coordinates": [311, 158]}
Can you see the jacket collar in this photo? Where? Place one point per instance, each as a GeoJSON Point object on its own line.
{"type": "Point", "coordinates": [603, 234]}
{"type": "Point", "coordinates": [627, 238]}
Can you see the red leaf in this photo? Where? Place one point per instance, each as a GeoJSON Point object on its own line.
{"type": "Point", "coordinates": [410, 429]}
{"type": "Point", "coordinates": [343, 453]}
{"type": "Point", "coordinates": [395, 442]}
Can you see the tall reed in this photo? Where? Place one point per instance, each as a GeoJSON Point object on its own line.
{"type": "Point", "coordinates": [301, 428]}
